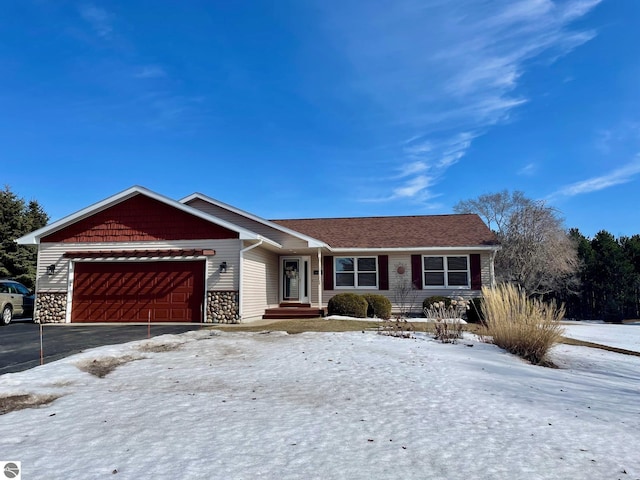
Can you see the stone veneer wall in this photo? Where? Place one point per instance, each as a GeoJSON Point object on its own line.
{"type": "Point", "coordinates": [222, 307]}
{"type": "Point", "coordinates": [50, 308]}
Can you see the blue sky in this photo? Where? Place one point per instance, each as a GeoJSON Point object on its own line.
{"type": "Point", "coordinates": [316, 108]}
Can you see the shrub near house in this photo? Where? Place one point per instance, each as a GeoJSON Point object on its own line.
{"type": "Point", "coordinates": [360, 306]}
{"type": "Point", "coordinates": [349, 304]}
{"type": "Point", "coordinates": [379, 306]}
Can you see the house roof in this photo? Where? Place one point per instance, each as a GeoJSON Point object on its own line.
{"type": "Point", "coordinates": [312, 242]}
{"type": "Point", "coordinates": [34, 237]}
{"type": "Point", "coordinates": [446, 231]}
{"type": "Point", "coordinates": [406, 232]}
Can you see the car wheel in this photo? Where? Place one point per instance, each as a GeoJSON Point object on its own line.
{"type": "Point", "coordinates": [7, 315]}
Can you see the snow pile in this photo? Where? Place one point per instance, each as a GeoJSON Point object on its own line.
{"type": "Point", "coordinates": [210, 405]}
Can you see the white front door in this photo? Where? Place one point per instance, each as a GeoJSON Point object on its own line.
{"type": "Point", "coordinates": [294, 272]}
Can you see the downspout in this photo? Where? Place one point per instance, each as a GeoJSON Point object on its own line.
{"type": "Point", "coordinates": [492, 270]}
{"type": "Point", "coordinates": [240, 280]}
{"type": "Point", "coordinates": [320, 279]}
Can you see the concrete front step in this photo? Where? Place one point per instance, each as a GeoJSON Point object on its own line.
{"type": "Point", "coordinates": [292, 312]}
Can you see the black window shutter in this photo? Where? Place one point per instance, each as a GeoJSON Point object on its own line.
{"type": "Point", "coordinates": [416, 271]}
{"type": "Point", "coordinates": [476, 272]}
{"type": "Point", "coordinates": [327, 272]}
{"type": "Point", "coordinates": [383, 272]}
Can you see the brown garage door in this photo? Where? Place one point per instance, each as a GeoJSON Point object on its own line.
{"type": "Point", "coordinates": [132, 291]}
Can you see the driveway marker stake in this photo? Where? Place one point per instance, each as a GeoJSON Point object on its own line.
{"type": "Point", "coordinates": [41, 348]}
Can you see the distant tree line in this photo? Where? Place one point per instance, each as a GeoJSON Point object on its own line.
{"type": "Point", "coordinates": [17, 218]}
{"type": "Point", "coordinates": [608, 276]}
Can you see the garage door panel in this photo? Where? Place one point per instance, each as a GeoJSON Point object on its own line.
{"type": "Point", "coordinates": [178, 297]}
{"type": "Point", "coordinates": [162, 315]}
{"type": "Point", "coordinates": [133, 291]}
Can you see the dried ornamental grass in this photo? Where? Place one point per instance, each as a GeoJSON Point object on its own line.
{"type": "Point", "coordinates": [447, 318]}
{"type": "Point", "coordinates": [527, 327]}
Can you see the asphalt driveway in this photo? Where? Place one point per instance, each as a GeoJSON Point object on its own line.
{"type": "Point", "coordinates": [20, 340]}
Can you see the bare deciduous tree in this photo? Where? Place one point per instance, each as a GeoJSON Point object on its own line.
{"type": "Point", "coordinates": [537, 253]}
{"type": "Point", "coordinates": [494, 208]}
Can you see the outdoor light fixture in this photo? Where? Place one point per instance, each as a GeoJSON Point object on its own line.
{"type": "Point", "coordinates": [223, 267]}
{"type": "Point", "coordinates": [51, 269]}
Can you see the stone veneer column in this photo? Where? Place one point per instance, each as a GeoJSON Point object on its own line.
{"type": "Point", "coordinates": [222, 307]}
{"type": "Point", "coordinates": [50, 308]}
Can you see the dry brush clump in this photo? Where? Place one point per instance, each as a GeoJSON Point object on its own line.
{"type": "Point", "coordinates": [101, 367]}
{"type": "Point", "coordinates": [524, 326]}
{"type": "Point", "coordinates": [11, 403]}
{"type": "Point", "coordinates": [398, 327]}
{"type": "Point", "coordinates": [446, 316]}
{"type": "Point", "coordinates": [159, 347]}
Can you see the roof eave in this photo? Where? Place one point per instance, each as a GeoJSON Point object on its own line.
{"type": "Point", "coordinates": [311, 242]}
{"type": "Point", "coordinates": [33, 238]}
{"type": "Point", "coordinates": [487, 248]}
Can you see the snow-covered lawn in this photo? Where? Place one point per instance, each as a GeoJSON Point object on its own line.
{"type": "Point", "coordinates": [620, 336]}
{"type": "Point", "coordinates": [211, 405]}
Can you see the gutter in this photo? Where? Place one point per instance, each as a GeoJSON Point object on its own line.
{"type": "Point", "coordinates": [492, 268]}
{"type": "Point", "coordinates": [320, 278]}
{"type": "Point", "coordinates": [488, 248]}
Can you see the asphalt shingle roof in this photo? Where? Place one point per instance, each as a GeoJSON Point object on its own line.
{"type": "Point", "coordinates": [459, 230]}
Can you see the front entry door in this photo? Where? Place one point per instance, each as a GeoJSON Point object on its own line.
{"type": "Point", "coordinates": [294, 279]}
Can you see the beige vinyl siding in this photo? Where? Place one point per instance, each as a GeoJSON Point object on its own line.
{"type": "Point", "coordinates": [260, 283]}
{"type": "Point", "coordinates": [315, 281]}
{"type": "Point", "coordinates": [415, 297]}
{"type": "Point", "coordinates": [53, 254]}
{"type": "Point", "coordinates": [485, 266]}
{"type": "Point", "coordinates": [284, 239]}
{"type": "Point", "coordinates": [395, 260]}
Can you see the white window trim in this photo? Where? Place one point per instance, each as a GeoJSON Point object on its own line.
{"type": "Point", "coordinates": [355, 273]}
{"type": "Point", "coordinates": [446, 271]}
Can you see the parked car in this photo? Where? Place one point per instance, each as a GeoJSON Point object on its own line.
{"type": "Point", "coordinates": [16, 300]}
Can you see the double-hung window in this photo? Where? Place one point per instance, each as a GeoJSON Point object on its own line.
{"type": "Point", "coordinates": [446, 271]}
{"type": "Point", "coordinates": [356, 272]}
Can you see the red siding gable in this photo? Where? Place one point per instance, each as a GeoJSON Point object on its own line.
{"type": "Point", "coordinates": [139, 219]}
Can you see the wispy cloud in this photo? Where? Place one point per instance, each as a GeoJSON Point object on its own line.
{"type": "Point", "coordinates": [409, 169]}
{"type": "Point", "coordinates": [100, 19]}
{"type": "Point", "coordinates": [619, 176]}
{"type": "Point", "coordinates": [413, 187]}
{"type": "Point", "coordinates": [528, 170]}
{"type": "Point", "coordinates": [426, 162]}
{"type": "Point", "coordinates": [150, 71]}
{"type": "Point", "coordinates": [156, 105]}
{"type": "Point", "coordinates": [443, 70]}
{"type": "Point", "coordinates": [610, 139]}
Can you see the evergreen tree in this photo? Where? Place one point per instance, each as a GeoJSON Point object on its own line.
{"type": "Point", "coordinates": [610, 273]}
{"type": "Point", "coordinates": [18, 218]}
{"type": "Point", "coordinates": [631, 248]}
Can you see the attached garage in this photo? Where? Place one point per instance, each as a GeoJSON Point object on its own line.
{"type": "Point", "coordinates": [136, 291]}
